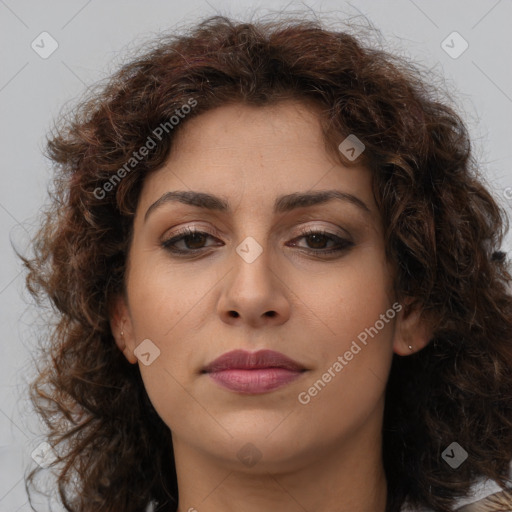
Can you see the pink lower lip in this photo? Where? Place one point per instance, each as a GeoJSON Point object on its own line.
{"type": "Point", "coordinates": [255, 381]}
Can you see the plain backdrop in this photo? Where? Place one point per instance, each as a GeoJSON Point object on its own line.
{"type": "Point", "coordinates": [92, 34]}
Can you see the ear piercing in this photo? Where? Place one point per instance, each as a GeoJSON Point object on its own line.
{"type": "Point", "coordinates": [410, 346]}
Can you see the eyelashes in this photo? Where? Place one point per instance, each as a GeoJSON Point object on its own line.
{"type": "Point", "coordinates": [190, 237]}
{"type": "Point", "coordinates": [186, 234]}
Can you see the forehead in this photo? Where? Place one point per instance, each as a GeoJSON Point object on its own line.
{"type": "Point", "coordinates": [241, 123]}
{"type": "Point", "coordinates": [263, 151]}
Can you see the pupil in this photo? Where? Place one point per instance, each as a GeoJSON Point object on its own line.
{"type": "Point", "coordinates": [195, 238]}
{"type": "Point", "coordinates": [317, 237]}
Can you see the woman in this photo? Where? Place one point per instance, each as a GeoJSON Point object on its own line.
{"type": "Point", "coordinates": [278, 284]}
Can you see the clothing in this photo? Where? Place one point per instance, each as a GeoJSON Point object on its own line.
{"type": "Point", "coordinates": [474, 501]}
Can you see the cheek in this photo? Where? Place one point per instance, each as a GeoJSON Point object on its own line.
{"type": "Point", "coordinates": [162, 297]}
{"type": "Point", "coordinates": [358, 319]}
{"type": "Point", "coordinates": [350, 299]}
{"type": "Point", "coordinates": [164, 307]}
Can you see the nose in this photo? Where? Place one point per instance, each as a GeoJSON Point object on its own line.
{"type": "Point", "coordinates": [254, 293]}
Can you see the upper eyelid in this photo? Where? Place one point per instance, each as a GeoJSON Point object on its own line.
{"type": "Point", "coordinates": [215, 233]}
{"type": "Point", "coordinates": [304, 232]}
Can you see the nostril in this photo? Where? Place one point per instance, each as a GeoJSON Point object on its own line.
{"type": "Point", "coordinates": [233, 314]}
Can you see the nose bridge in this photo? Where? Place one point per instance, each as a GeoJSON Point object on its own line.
{"type": "Point", "coordinates": [252, 262]}
{"type": "Point", "coordinates": [253, 292]}
{"type": "Point", "coordinates": [253, 230]}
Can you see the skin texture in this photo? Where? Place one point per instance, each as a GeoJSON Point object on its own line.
{"type": "Point", "coordinates": [321, 456]}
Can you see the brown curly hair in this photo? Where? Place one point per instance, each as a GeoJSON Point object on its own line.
{"type": "Point", "coordinates": [443, 232]}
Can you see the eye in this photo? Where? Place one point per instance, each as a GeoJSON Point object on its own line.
{"type": "Point", "coordinates": [194, 241]}
{"type": "Point", "coordinates": [192, 238]}
{"type": "Point", "coordinates": [317, 239]}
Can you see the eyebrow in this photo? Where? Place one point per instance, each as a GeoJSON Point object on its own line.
{"type": "Point", "coordinates": [282, 204]}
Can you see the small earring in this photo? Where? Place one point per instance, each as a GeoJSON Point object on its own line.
{"type": "Point", "coordinates": [410, 347]}
{"type": "Point", "coordinates": [122, 334]}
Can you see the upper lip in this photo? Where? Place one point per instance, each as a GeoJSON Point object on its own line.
{"type": "Point", "coordinates": [243, 360]}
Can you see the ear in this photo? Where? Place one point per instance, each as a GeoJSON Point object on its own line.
{"type": "Point", "coordinates": [411, 329]}
{"type": "Point", "coordinates": [122, 328]}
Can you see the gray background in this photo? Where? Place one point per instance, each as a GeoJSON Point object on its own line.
{"type": "Point", "coordinates": [93, 35]}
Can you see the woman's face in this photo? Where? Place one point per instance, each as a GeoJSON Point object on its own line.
{"type": "Point", "coordinates": [252, 281]}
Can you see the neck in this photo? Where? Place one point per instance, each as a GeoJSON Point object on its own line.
{"type": "Point", "coordinates": [349, 478]}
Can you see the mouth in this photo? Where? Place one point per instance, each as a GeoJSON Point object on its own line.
{"type": "Point", "coordinates": [253, 372]}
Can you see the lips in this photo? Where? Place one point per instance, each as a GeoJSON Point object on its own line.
{"type": "Point", "coordinates": [253, 372]}
{"type": "Point", "coordinates": [242, 360]}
